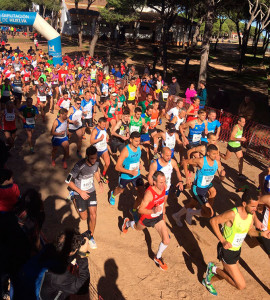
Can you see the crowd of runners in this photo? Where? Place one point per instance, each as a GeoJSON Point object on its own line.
{"type": "Point", "coordinates": [117, 112]}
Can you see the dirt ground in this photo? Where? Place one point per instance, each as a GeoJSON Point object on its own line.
{"type": "Point", "coordinates": [122, 267]}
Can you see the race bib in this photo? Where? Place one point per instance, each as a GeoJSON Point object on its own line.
{"type": "Point", "coordinates": [6, 93]}
{"type": "Point", "coordinates": [63, 75]}
{"type": "Point", "coordinates": [10, 117]}
{"type": "Point", "coordinates": [26, 78]}
{"type": "Point", "coordinates": [158, 213]}
{"type": "Point", "coordinates": [35, 82]}
{"type": "Point", "coordinates": [134, 128]}
{"type": "Point", "coordinates": [42, 98]}
{"type": "Point", "coordinates": [120, 104]}
{"type": "Point", "coordinates": [165, 95]}
{"type": "Point", "coordinates": [132, 94]}
{"type": "Point", "coordinates": [171, 145]}
{"type": "Point", "coordinates": [206, 180]}
{"type": "Point", "coordinates": [134, 166]}
{"type": "Point", "coordinates": [87, 184]}
{"type": "Point", "coordinates": [238, 239]}
{"type": "Point", "coordinates": [196, 138]}
{"type": "Point", "coordinates": [112, 110]}
{"type": "Point", "coordinates": [30, 121]}
{"type": "Point", "coordinates": [153, 122]}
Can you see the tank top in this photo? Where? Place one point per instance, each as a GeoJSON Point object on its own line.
{"type": "Point", "coordinates": [135, 126]}
{"type": "Point", "coordinates": [205, 175]}
{"type": "Point", "coordinates": [165, 95]}
{"type": "Point", "coordinates": [237, 233]}
{"type": "Point", "coordinates": [93, 73]}
{"type": "Point", "coordinates": [132, 92]}
{"type": "Point", "coordinates": [167, 170]}
{"type": "Point", "coordinates": [76, 116]}
{"type": "Point", "coordinates": [179, 122]}
{"type": "Point", "coordinates": [26, 76]}
{"type": "Point", "coordinates": [88, 109]}
{"type": "Point", "coordinates": [120, 102]}
{"type": "Point", "coordinates": [193, 111]}
{"type": "Point", "coordinates": [158, 200]}
{"type": "Point", "coordinates": [123, 129]}
{"type": "Point", "coordinates": [8, 120]}
{"type": "Point", "coordinates": [55, 78]}
{"type": "Point", "coordinates": [154, 119]}
{"type": "Point", "coordinates": [102, 145]}
{"type": "Point", "coordinates": [169, 141]}
{"type": "Point", "coordinates": [132, 162]}
{"type": "Point", "coordinates": [111, 110]}
{"type": "Point", "coordinates": [238, 135]}
{"type": "Point", "coordinates": [17, 85]}
{"type": "Point", "coordinates": [5, 91]}
{"type": "Point", "coordinates": [195, 134]}
{"type": "Point", "coordinates": [62, 126]}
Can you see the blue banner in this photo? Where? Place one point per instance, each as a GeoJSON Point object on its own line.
{"type": "Point", "coordinates": [17, 18]}
{"type": "Point", "coordinates": [55, 49]}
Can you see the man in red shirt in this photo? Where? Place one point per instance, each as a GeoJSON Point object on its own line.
{"type": "Point", "coordinates": [62, 73]}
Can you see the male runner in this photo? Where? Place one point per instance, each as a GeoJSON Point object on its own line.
{"type": "Point", "coordinates": [175, 110]}
{"type": "Point", "coordinates": [213, 125]}
{"type": "Point", "coordinates": [152, 211]}
{"type": "Point", "coordinates": [132, 95]}
{"type": "Point", "coordinates": [207, 167]}
{"type": "Point", "coordinates": [136, 121]}
{"type": "Point", "coordinates": [234, 145]}
{"type": "Point", "coordinates": [88, 106]}
{"type": "Point", "coordinates": [238, 222]}
{"type": "Point", "coordinates": [81, 181]}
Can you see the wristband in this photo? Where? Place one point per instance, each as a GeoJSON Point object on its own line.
{"type": "Point", "coordinates": [181, 181]}
{"type": "Point", "coordinates": [260, 234]}
{"type": "Point", "coordinates": [155, 145]}
{"type": "Point", "coordinates": [84, 254]}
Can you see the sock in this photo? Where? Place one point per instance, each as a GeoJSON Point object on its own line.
{"type": "Point", "coordinates": [161, 248]}
{"type": "Point", "coordinates": [103, 173]}
{"type": "Point", "coordinates": [181, 212]}
{"type": "Point", "coordinates": [197, 212]}
{"type": "Point", "coordinates": [130, 224]}
{"type": "Point", "coordinates": [214, 270]}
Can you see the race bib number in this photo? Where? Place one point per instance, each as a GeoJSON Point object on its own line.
{"type": "Point", "coordinates": [206, 180]}
{"type": "Point", "coordinates": [134, 128]}
{"type": "Point", "coordinates": [42, 98]}
{"type": "Point", "coordinates": [87, 184]}
{"type": "Point", "coordinates": [120, 104]}
{"type": "Point", "coordinates": [26, 79]}
{"type": "Point", "coordinates": [112, 110]}
{"type": "Point", "coordinates": [238, 239]}
{"type": "Point", "coordinates": [30, 121]}
{"type": "Point", "coordinates": [35, 82]}
{"type": "Point", "coordinates": [153, 122]}
{"type": "Point", "coordinates": [165, 95]}
{"type": "Point", "coordinates": [196, 138]}
{"type": "Point", "coordinates": [134, 166]}
{"type": "Point", "coordinates": [63, 75]}
{"type": "Point", "coordinates": [170, 145]}
{"type": "Point", "coordinates": [132, 94]}
{"type": "Point", "coordinates": [10, 117]}
{"type": "Point", "coordinates": [158, 213]}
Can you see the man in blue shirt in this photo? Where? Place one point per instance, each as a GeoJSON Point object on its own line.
{"type": "Point", "coordinates": [213, 125]}
{"type": "Point", "coordinates": [202, 94]}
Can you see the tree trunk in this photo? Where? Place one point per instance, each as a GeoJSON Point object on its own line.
{"type": "Point", "coordinates": [197, 32]}
{"type": "Point", "coordinates": [256, 43]}
{"type": "Point", "coordinates": [266, 43]}
{"type": "Point", "coordinates": [243, 49]}
{"type": "Point", "coordinates": [95, 37]}
{"type": "Point", "coordinates": [255, 34]}
{"type": "Point", "coordinates": [164, 47]}
{"type": "Point", "coordinates": [80, 34]}
{"type": "Point", "coordinates": [219, 30]}
{"type": "Point", "coordinates": [209, 20]}
{"type": "Point", "coordinates": [239, 35]}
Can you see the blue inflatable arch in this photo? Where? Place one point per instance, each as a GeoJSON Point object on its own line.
{"type": "Point", "coordinates": [43, 27]}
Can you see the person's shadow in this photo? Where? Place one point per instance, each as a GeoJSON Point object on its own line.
{"type": "Point", "coordinates": [107, 287]}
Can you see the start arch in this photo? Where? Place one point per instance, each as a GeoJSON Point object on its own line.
{"type": "Point", "coordinates": [43, 27]}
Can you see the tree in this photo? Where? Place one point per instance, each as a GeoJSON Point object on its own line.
{"type": "Point", "coordinates": [18, 5]}
{"type": "Point", "coordinates": [221, 21]}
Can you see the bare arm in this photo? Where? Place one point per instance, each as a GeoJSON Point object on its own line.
{"type": "Point", "coordinates": [197, 162]}
{"type": "Point", "coordinates": [178, 174]}
{"type": "Point", "coordinates": [221, 171]}
{"type": "Point", "coordinates": [152, 170]}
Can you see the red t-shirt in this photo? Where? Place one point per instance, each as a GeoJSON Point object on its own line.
{"type": "Point", "coordinates": [62, 74]}
{"type": "Point", "coordinates": [9, 195]}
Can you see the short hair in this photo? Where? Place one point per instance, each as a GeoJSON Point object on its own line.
{"type": "Point", "coordinates": [63, 111]}
{"type": "Point", "coordinates": [135, 134]}
{"type": "Point", "coordinates": [203, 82]}
{"type": "Point", "coordinates": [155, 101]}
{"type": "Point", "coordinates": [68, 241]}
{"type": "Point", "coordinates": [149, 95]}
{"type": "Point", "coordinates": [201, 111]}
{"type": "Point", "coordinates": [183, 109]}
{"type": "Point", "coordinates": [212, 111]}
{"type": "Point", "coordinates": [29, 99]}
{"type": "Point", "coordinates": [138, 109]}
{"type": "Point", "coordinates": [179, 100]}
{"type": "Point", "coordinates": [41, 79]}
{"type": "Point", "coordinates": [92, 150]}
{"type": "Point", "coordinates": [156, 174]}
{"type": "Point", "coordinates": [149, 107]}
{"type": "Point", "coordinates": [65, 92]}
{"type": "Point", "coordinates": [249, 195]}
{"type": "Point", "coordinates": [126, 111]}
{"type": "Point", "coordinates": [102, 119]}
{"type": "Point", "coordinates": [239, 119]}
{"type": "Point", "coordinates": [210, 134]}
{"type": "Point", "coordinates": [211, 148]}
{"type": "Point", "coordinates": [5, 174]}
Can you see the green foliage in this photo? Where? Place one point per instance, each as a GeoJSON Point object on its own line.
{"type": "Point", "coordinates": [15, 5]}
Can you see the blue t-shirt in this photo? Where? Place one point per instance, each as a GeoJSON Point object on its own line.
{"type": "Point", "coordinates": [211, 126]}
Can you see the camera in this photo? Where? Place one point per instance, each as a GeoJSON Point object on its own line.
{"type": "Point", "coordinates": [86, 234]}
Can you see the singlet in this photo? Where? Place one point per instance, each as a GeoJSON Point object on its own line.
{"type": "Point", "coordinates": [132, 162]}
{"type": "Point", "coordinates": [132, 92]}
{"type": "Point", "coordinates": [111, 110]}
{"type": "Point", "coordinates": [170, 141]}
{"type": "Point", "coordinates": [179, 122]}
{"type": "Point", "coordinates": [238, 135]}
{"type": "Point", "coordinates": [55, 78]}
{"type": "Point", "coordinates": [5, 91]}
{"type": "Point", "coordinates": [154, 119]}
{"type": "Point", "coordinates": [62, 103]}
{"type": "Point", "coordinates": [29, 114]}
{"type": "Point", "coordinates": [8, 120]}
{"type": "Point", "coordinates": [167, 170]}
{"type": "Point", "coordinates": [211, 126]}
{"type": "Point", "coordinates": [205, 175]}
{"type": "Point", "coordinates": [237, 233]}
{"type": "Point", "coordinates": [193, 111]}
{"type": "Point", "coordinates": [122, 130]}
{"type": "Point", "coordinates": [26, 76]}
{"type": "Point", "coordinates": [17, 85]}
{"type": "Point", "coordinates": [76, 116]}
{"type": "Point", "coordinates": [158, 200]}
{"type": "Point", "coordinates": [62, 126]}
{"type": "Point", "coordinates": [164, 95]}
{"type": "Point", "coordinates": [87, 108]}
{"type": "Point", "coordinates": [83, 175]}
{"type": "Point", "coordinates": [93, 73]}
{"type": "Point", "coordinates": [195, 134]}
{"type": "Point", "coordinates": [104, 89]}
{"type": "Point", "coordinates": [102, 145]}
{"type": "Point", "coordinates": [120, 101]}
{"type": "Point", "coordinates": [135, 126]}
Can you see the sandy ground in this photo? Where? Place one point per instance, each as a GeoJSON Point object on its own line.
{"type": "Point", "coordinates": [122, 266]}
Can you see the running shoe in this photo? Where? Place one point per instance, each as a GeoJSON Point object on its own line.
{"type": "Point", "coordinates": [161, 263]}
{"type": "Point", "coordinates": [92, 243]}
{"type": "Point", "coordinates": [189, 216]}
{"type": "Point", "coordinates": [124, 226]}
{"type": "Point", "coordinates": [53, 163]}
{"type": "Point", "coordinates": [209, 274]}
{"type": "Point", "coordinates": [104, 179]}
{"type": "Point", "coordinates": [177, 220]}
{"type": "Point", "coordinates": [135, 215]}
{"type": "Point", "coordinates": [79, 154]}
{"type": "Point", "coordinates": [112, 199]}
{"type": "Point", "coordinates": [65, 164]}
{"type": "Point", "coordinates": [209, 287]}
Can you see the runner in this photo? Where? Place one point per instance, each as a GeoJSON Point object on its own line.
{"type": "Point", "coordinates": [99, 139]}
{"type": "Point", "coordinates": [120, 133]}
{"type": "Point", "coordinates": [213, 125]}
{"type": "Point", "coordinates": [173, 112]}
{"type": "Point", "coordinates": [163, 98]}
{"type": "Point", "coordinates": [179, 119]}
{"type": "Point", "coordinates": [110, 110]}
{"type": "Point", "coordinates": [17, 86]}
{"type": "Point", "coordinates": [238, 222]}
{"type": "Point", "coordinates": [42, 93]}
{"type": "Point", "coordinates": [166, 165]}
{"type": "Point", "coordinates": [193, 110]}
{"type": "Point", "coordinates": [30, 112]}
{"type": "Point", "coordinates": [27, 77]}
{"type": "Point", "coordinates": [132, 95]}
{"type": "Point", "coordinates": [234, 145]}
{"type": "Point", "coordinates": [202, 186]}
{"type": "Point", "coordinates": [89, 109]}
{"type": "Point", "coordinates": [136, 121]}
{"type": "Point", "coordinates": [152, 210]}
{"type": "Point", "coordinates": [6, 89]}
{"type": "Point", "coordinates": [60, 137]}
{"type": "Point", "coordinates": [75, 123]}
{"type": "Point", "coordinates": [81, 181]}
{"type": "Point", "coordinates": [121, 103]}
{"type": "Point", "coordinates": [64, 102]}
{"type": "Point", "coordinates": [128, 164]}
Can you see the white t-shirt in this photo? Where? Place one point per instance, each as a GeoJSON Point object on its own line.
{"type": "Point", "coordinates": [173, 111]}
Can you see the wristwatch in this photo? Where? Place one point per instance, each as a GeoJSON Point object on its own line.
{"type": "Point", "coordinates": [84, 254]}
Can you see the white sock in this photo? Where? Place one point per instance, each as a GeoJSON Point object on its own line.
{"type": "Point", "coordinates": [130, 224]}
{"type": "Point", "coordinates": [161, 248]}
{"type": "Point", "coordinates": [214, 269]}
{"type": "Point", "coordinates": [181, 212]}
{"type": "Point", "coordinates": [197, 212]}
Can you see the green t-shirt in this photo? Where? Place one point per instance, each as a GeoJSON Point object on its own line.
{"type": "Point", "coordinates": [120, 102]}
{"type": "Point", "coordinates": [135, 126]}
{"type": "Point", "coordinates": [43, 76]}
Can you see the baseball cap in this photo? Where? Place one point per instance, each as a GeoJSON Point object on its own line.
{"type": "Point", "coordinates": [170, 127]}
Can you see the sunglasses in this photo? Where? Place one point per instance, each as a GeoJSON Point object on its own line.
{"type": "Point", "coordinates": [78, 102]}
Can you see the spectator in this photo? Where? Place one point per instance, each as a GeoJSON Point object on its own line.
{"type": "Point", "coordinates": [202, 95]}
{"type": "Point", "coordinates": [190, 93]}
{"type": "Point", "coordinates": [246, 108]}
{"type": "Point", "coordinates": [174, 88]}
